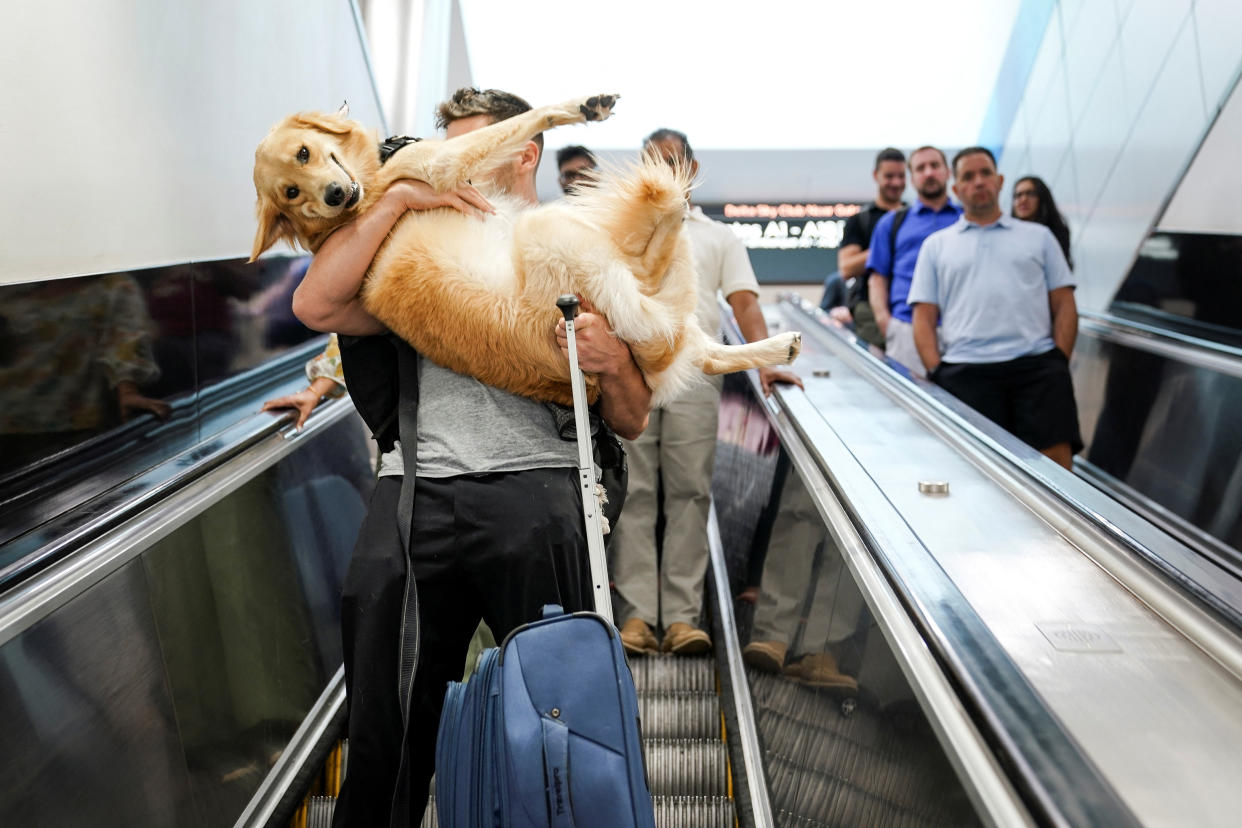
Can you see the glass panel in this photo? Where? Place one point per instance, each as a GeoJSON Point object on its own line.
{"type": "Point", "coordinates": [1167, 430]}
{"type": "Point", "coordinates": [1189, 283]}
{"type": "Point", "coordinates": [845, 742]}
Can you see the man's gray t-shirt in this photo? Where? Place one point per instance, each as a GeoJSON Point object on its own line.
{"type": "Point", "coordinates": [466, 427]}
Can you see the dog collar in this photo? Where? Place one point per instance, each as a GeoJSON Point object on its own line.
{"type": "Point", "coordinates": [393, 144]}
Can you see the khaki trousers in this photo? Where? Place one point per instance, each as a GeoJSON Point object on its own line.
{"type": "Point", "coordinates": [678, 446]}
{"type": "Point", "coordinates": [899, 346]}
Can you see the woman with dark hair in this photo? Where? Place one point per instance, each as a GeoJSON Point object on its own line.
{"type": "Point", "coordinates": [1032, 201]}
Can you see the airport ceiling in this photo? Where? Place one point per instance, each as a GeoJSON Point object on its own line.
{"type": "Point", "coordinates": [769, 75]}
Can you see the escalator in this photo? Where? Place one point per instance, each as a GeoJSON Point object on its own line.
{"type": "Point", "coordinates": [963, 633]}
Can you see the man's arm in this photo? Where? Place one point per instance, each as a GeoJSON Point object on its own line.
{"type": "Point", "coordinates": [750, 319]}
{"type": "Point", "coordinates": [852, 260]}
{"type": "Point", "coordinates": [926, 315]}
{"type": "Point", "coordinates": [327, 299]}
{"type": "Point", "coordinates": [1064, 318]}
{"type": "Point", "coordinates": [877, 297]}
{"type": "Point", "coordinates": [625, 399]}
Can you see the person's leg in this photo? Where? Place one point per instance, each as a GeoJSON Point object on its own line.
{"type": "Point", "coordinates": [524, 538]}
{"type": "Point", "coordinates": [633, 553]}
{"type": "Point", "coordinates": [978, 387]}
{"type": "Point", "coordinates": [1045, 412]}
{"type": "Point", "coordinates": [371, 601]}
{"type": "Point", "coordinates": [448, 614]}
{"type": "Point", "coordinates": [687, 454]}
{"type": "Point", "coordinates": [899, 346]}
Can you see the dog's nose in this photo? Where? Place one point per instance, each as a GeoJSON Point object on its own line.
{"type": "Point", "coordinates": [334, 196]}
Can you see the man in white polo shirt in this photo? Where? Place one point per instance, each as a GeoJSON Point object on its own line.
{"type": "Point", "coordinates": [678, 449]}
{"type": "Point", "coordinates": [1004, 296]}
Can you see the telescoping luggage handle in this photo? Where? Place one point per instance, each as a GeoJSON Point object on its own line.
{"type": "Point", "coordinates": [586, 468]}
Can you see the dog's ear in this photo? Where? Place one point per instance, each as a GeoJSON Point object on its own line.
{"type": "Point", "coordinates": [332, 124]}
{"type": "Point", "coordinates": [273, 226]}
{"type": "Point", "coordinates": [343, 112]}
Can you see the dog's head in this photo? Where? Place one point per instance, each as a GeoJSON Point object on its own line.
{"type": "Point", "coordinates": [310, 173]}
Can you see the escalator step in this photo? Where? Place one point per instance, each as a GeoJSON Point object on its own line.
{"type": "Point", "coordinates": [319, 811]}
{"type": "Point", "coordinates": [671, 714]}
{"type": "Point", "coordinates": [652, 673]}
{"type": "Point", "coordinates": [693, 812]}
{"type": "Point", "coordinates": [686, 767]}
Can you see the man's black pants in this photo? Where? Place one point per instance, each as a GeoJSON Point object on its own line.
{"type": "Point", "coordinates": [1031, 397]}
{"type": "Point", "coordinates": [493, 547]}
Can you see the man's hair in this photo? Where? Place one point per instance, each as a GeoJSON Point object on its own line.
{"type": "Point", "coordinates": [943, 160]}
{"type": "Point", "coordinates": [664, 133]}
{"type": "Point", "coordinates": [573, 151]}
{"type": "Point", "coordinates": [973, 151]}
{"type": "Point", "coordinates": [889, 154]}
{"type": "Point", "coordinates": [468, 102]}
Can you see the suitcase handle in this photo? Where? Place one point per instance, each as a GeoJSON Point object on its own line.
{"type": "Point", "coordinates": [591, 511]}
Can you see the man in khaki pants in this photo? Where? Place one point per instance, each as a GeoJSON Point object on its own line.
{"type": "Point", "coordinates": [679, 447]}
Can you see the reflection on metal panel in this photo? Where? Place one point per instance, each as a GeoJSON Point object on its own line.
{"type": "Point", "coordinates": [87, 725]}
{"type": "Point", "coordinates": [1166, 429]}
{"type": "Point", "coordinates": [163, 694]}
{"type": "Point", "coordinates": [844, 740]}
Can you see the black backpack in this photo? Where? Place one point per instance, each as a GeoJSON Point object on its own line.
{"type": "Point", "coordinates": [858, 290]}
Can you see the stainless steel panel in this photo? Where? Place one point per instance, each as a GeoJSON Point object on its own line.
{"type": "Point", "coordinates": [88, 729]}
{"type": "Point", "coordinates": [1160, 718]}
{"type": "Point", "coordinates": [844, 739]}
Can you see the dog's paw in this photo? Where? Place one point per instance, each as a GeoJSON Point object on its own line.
{"type": "Point", "coordinates": [598, 107]}
{"type": "Point", "coordinates": [795, 345]}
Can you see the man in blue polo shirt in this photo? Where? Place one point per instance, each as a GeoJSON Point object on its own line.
{"type": "Point", "coordinates": [891, 266]}
{"type": "Point", "coordinates": [1005, 298]}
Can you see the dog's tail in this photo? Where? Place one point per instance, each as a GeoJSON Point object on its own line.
{"type": "Point", "coordinates": [635, 202]}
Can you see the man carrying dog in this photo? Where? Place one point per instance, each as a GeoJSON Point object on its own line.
{"type": "Point", "coordinates": [678, 448]}
{"type": "Point", "coordinates": [484, 488]}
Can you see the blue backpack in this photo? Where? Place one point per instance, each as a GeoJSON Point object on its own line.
{"type": "Point", "coordinates": [546, 733]}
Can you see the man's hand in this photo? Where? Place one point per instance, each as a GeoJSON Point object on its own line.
{"type": "Point", "coordinates": [841, 314]}
{"type": "Point", "coordinates": [412, 194]}
{"type": "Point", "coordinates": [132, 403]}
{"type": "Point", "coordinates": [304, 401]}
{"type": "Point", "coordinates": [770, 374]}
{"type": "Point", "coordinates": [600, 351]}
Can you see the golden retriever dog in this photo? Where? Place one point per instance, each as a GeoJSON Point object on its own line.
{"type": "Point", "coordinates": [479, 296]}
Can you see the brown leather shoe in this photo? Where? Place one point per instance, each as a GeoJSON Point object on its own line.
{"type": "Point", "coordinates": [820, 670]}
{"type": "Point", "coordinates": [637, 637]}
{"type": "Point", "coordinates": [765, 656]}
{"type": "Point", "coordinates": [683, 639]}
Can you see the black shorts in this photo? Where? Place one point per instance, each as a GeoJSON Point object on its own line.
{"type": "Point", "coordinates": [1032, 397]}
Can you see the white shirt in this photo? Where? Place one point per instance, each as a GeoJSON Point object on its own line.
{"type": "Point", "coordinates": [721, 262]}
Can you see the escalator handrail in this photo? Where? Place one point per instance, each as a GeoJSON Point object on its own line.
{"type": "Point", "coordinates": [67, 566]}
{"type": "Point", "coordinates": [1180, 347]}
{"type": "Point", "coordinates": [1169, 563]}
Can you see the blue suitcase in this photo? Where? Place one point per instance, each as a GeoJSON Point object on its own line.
{"type": "Point", "coordinates": [546, 732]}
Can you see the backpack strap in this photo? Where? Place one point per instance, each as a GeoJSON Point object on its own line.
{"type": "Point", "coordinates": [892, 238]}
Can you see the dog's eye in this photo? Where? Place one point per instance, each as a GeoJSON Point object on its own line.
{"type": "Point", "coordinates": [291, 193]}
{"type": "Point", "coordinates": [303, 155]}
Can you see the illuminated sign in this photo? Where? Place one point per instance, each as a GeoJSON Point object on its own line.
{"type": "Point", "coordinates": [788, 242]}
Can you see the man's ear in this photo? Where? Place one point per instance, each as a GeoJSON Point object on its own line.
{"type": "Point", "coordinates": [332, 124]}
{"type": "Point", "coordinates": [273, 226]}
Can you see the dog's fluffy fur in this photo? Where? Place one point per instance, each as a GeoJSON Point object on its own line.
{"type": "Point", "coordinates": [479, 296]}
